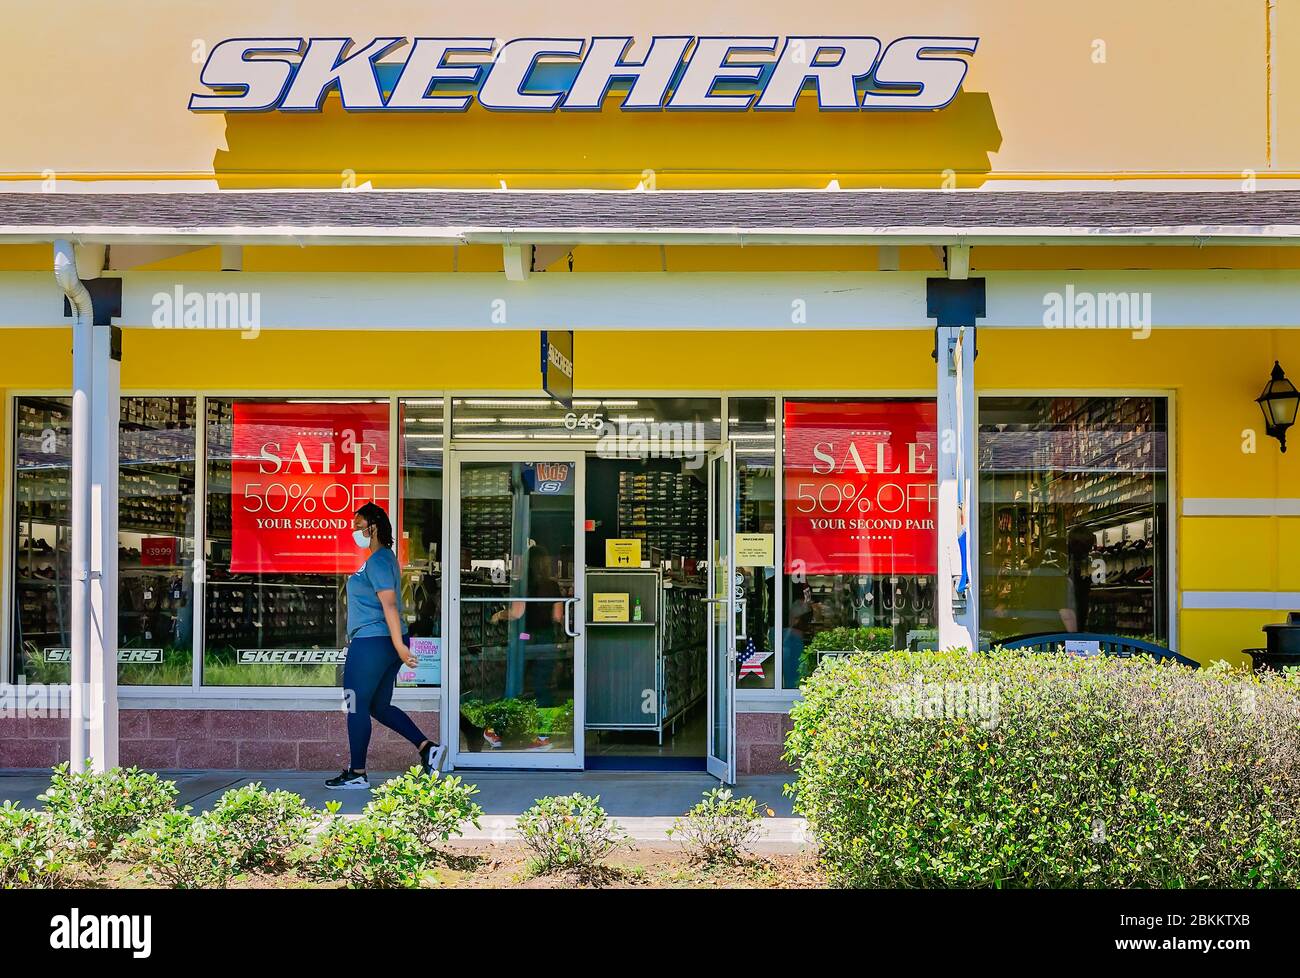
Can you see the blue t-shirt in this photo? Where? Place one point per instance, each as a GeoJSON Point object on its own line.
{"type": "Point", "coordinates": [365, 614]}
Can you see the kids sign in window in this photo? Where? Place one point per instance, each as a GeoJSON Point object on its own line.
{"type": "Point", "coordinates": [299, 471]}
{"type": "Point", "coordinates": [860, 487]}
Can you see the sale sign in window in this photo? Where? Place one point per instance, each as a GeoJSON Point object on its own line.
{"type": "Point", "coordinates": [298, 474]}
{"type": "Point", "coordinates": [861, 491]}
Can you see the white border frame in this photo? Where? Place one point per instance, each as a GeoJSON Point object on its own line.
{"type": "Point", "coordinates": [449, 717]}
{"type": "Point", "coordinates": [724, 769]}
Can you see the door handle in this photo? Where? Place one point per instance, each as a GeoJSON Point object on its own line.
{"type": "Point", "coordinates": [570, 617]}
{"type": "Point", "coordinates": [743, 635]}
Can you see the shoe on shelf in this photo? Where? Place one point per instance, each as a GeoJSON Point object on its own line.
{"type": "Point", "coordinates": [348, 779]}
{"type": "Point", "coordinates": [540, 743]}
{"type": "Point", "coordinates": [493, 741]}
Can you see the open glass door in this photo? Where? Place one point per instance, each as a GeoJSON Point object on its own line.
{"type": "Point", "coordinates": [721, 753]}
{"type": "Point", "coordinates": [515, 668]}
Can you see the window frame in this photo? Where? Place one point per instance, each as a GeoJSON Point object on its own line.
{"type": "Point", "coordinates": [1171, 471]}
{"type": "Point", "coordinates": [776, 699]}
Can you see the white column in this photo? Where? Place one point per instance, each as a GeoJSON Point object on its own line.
{"type": "Point", "coordinates": [957, 615]}
{"type": "Point", "coordinates": [104, 414]}
{"type": "Point", "coordinates": [79, 530]}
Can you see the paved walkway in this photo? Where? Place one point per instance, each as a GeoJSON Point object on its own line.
{"type": "Point", "coordinates": [645, 804]}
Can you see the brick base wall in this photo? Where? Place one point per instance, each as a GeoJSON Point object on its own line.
{"type": "Point", "coordinates": [760, 741]}
{"type": "Point", "coordinates": [248, 740]}
{"type": "Point", "coordinates": [270, 740]}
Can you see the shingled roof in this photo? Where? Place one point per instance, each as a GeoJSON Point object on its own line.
{"type": "Point", "coordinates": [625, 216]}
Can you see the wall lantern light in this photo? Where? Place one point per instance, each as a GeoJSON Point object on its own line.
{"type": "Point", "coordinates": [1280, 402]}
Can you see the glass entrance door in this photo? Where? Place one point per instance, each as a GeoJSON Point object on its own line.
{"type": "Point", "coordinates": [515, 672]}
{"type": "Point", "coordinates": [721, 754]}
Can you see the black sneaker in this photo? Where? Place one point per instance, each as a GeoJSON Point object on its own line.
{"type": "Point", "coordinates": [348, 779]}
{"type": "Point", "coordinates": [431, 758]}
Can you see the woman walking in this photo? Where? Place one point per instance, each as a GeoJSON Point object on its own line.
{"type": "Point", "coordinates": [376, 650]}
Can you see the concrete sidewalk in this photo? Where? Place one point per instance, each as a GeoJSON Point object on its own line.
{"type": "Point", "coordinates": [645, 804]}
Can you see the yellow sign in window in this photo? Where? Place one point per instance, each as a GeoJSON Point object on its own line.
{"type": "Point", "coordinates": [755, 550]}
{"type": "Point", "coordinates": [622, 553]}
{"type": "Point", "coordinates": [609, 607]}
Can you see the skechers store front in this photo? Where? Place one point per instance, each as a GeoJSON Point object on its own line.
{"type": "Point", "coordinates": [665, 405]}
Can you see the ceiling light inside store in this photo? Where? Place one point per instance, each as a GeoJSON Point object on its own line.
{"type": "Point", "coordinates": [336, 400]}
{"type": "Point", "coordinates": [520, 402]}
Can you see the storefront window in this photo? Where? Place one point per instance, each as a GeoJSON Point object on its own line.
{"type": "Point", "coordinates": [860, 527]}
{"type": "Point", "coordinates": [284, 478]}
{"type": "Point", "coordinates": [1073, 525]}
{"type": "Point", "coordinates": [751, 429]}
{"type": "Point", "coordinates": [420, 541]}
{"type": "Point", "coordinates": [155, 540]}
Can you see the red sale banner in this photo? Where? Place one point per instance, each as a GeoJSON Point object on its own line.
{"type": "Point", "coordinates": [860, 487]}
{"type": "Point", "coordinates": [298, 473]}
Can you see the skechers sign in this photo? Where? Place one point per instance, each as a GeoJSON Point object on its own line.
{"type": "Point", "coordinates": [677, 73]}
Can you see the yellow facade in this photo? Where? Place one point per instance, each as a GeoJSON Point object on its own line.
{"type": "Point", "coordinates": [1098, 95]}
{"type": "Point", "coordinates": [1100, 91]}
{"type": "Point", "coordinates": [1212, 382]}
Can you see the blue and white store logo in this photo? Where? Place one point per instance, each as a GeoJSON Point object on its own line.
{"type": "Point", "coordinates": [681, 73]}
{"type": "Point", "coordinates": [548, 478]}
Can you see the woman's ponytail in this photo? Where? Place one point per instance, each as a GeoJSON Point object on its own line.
{"type": "Point", "coordinates": [375, 515]}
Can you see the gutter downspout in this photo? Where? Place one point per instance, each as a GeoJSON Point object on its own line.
{"type": "Point", "coordinates": [83, 317]}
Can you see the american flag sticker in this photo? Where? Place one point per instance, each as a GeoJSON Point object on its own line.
{"type": "Point", "coordinates": [751, 663]}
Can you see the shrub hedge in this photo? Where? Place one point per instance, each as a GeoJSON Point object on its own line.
{"type": "Point", "coordinates": [1008, 768]}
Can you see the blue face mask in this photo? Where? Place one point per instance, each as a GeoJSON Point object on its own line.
{"type": "Point", "coordinates": [361, 539]}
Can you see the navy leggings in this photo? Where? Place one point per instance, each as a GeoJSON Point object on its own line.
{"type": "Point", "coordinates": [370, 673]}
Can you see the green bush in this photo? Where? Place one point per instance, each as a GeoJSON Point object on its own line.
{"type": "Point", "coordinates": [376, 851]}
{"type": "Point", "coordinates": [31, 850]}
{"type": "Point", "coordinates": [934, 769]}
{"type": "Point", "coordinates": [185, 852]}
{"type": "Point", "coordinates": [96, 811]}
{"type": "Point", "coordinates": [720, 828]}
{"type": "Point", "coordinates": [266, 827]}
{"type": "Point", "coordinates": [432, 807]}
{"type": "Point", "coordinates": [569, 832]}
{"type": "Point", "coordinates": [844, 639]}
{"type": "Point", "coordinates": [508, 718]}
{"type": "Point", "coordinates": [555, 720]}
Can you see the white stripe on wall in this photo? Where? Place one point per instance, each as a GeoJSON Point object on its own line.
{"type": "Point", "coordinates": [1241, 507]}
{"type": "Point", "coordinates": [1242, 600]}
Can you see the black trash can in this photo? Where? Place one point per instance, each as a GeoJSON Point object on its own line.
{"type": "Point", "coordinates": [1283, 645]}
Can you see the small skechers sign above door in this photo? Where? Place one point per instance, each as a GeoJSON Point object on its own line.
{"type": "Point", "coordinates": [683, 73]}
{"type": "Point", "coordinates": [557, 365]}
